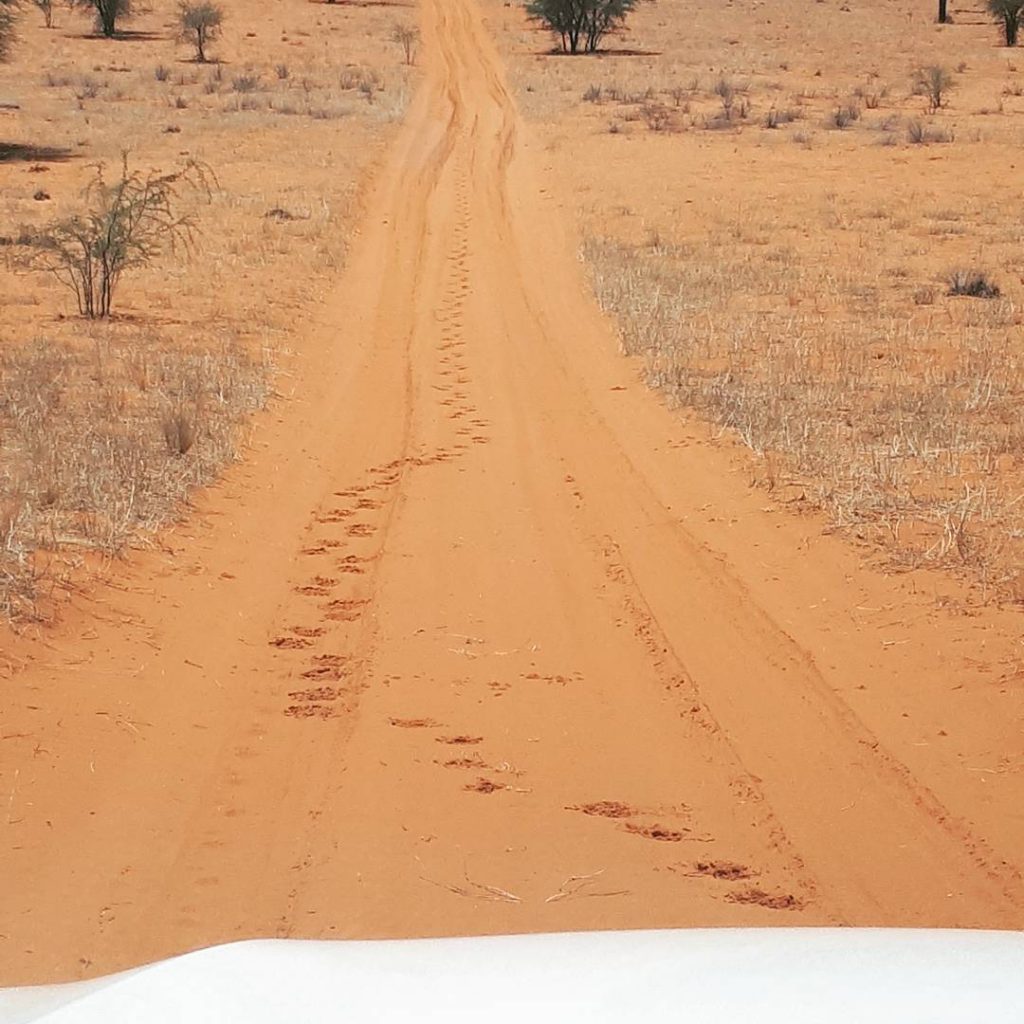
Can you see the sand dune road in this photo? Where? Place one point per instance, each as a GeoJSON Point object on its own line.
{"type": "Point", "coordinates": [482, 639]}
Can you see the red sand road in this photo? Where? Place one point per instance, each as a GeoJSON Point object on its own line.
{"type": "Point", "coordinates": [482, 639]}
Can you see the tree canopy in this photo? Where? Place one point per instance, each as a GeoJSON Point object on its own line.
{"type": "Point", "coordinates": [580, 25]}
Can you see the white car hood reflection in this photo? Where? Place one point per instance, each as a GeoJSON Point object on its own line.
{"type": "Point", "coordinates": [699, 976]}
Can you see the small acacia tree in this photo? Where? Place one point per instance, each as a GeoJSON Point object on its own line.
{"type": "Point", "coordinates": [198, 23]}
{"type": "Point", "coordinates": [6, 26]}
{"type": "Point", "coordinates": [126, 224]}
{"type": "Point", "coordinates": [934, 83]}
{"type": "Point", "coordinates": [407, 37]}
{"type": "Point", "coordinates": [580, 25]}
{"type": "Point", "coordinates": [46, 7]}
{"type": "Point", "coordinates": [108, 12]}
{"type": "Point", "coordinates": [1007, 13]}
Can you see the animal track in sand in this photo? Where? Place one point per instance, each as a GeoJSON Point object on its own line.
{"type": "Point", "coordinates": [353, 564]}
{"type": "Point", "coordinates": [724, 870]}
{"type": "Point", "coordinates": [316, 694]}
{"type": "Point", "coordinates": [483, 785]}
{"type": "Point", "coordinates": [327, 666]}
{"type": "Point", "coordinates": [464, 762]}
{"type": "Point", "coordinates": [773, 901]}
{"type": "Point", "coordinates": [556, 678]}
{"type": "Point", "coordinates": [310, 711]}
{"type": "Point", "coordinates": [293, 643]}
{"type": "Point", "coordinates": [344, 609]}
{"type": "Point", "coordinates": [605, 809]}
{"type": "Point", "coordinates": [334, 516]}
{"type": "Point", "coordinates": [656, 832]}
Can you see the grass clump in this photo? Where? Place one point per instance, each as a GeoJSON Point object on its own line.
{"type": "Point", "coordinates": [974, 284]}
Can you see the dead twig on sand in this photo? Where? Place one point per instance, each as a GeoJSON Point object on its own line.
{"type": "Point", "coordinates": [476, 890]}
{"type": "Point", "coordinates": [122, 722]}
{"type": "Point", "coordinates": [575, 884]}
{"type": "Point", "coordinates": [10, 799]}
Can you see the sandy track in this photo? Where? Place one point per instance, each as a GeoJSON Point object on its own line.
{"type": "Point", "coordinates": [452, 653]}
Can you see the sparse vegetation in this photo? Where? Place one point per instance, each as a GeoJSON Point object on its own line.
{"type": "Point", "coordinates": [923, 135]}
{"type": "Point", "coordinates": [726, 92]}
{"type": "Point", "coordinates": [657, 116]}
{"type": "Point", "coordinates": [934, 83]}
{"type": "Point", "coordinates": [864, 388]}
{"type": "Point", "coordinates": [580, 25]}
{"type": "Point", "coordinates": [734, 104]}
{"type": "Point", "coordinates": [775, 117]}
{"type": "Point", "coordinates": [407, 38]}
{"type": "Point", "coordinates": [361, 79]}
{"type": "Point", "coordinates": [843, 116]}
{"type": "Point", "coordinates": [199, 23]}
{"type": "Point", "coordinates": [249, 81]}
{"type": "Point", "coordinates": [126, 225]}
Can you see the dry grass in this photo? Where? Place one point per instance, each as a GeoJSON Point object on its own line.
{"type": "Point", "coordinates": [850, 406]}
{"type": "Point", "coordinates": [776, 211]}
{"type": "Point", "coordinates": [106, 428]}
{"type": "Point", "coordinates": [104, 441]}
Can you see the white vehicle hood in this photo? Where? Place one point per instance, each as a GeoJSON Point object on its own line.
{"type": "Point", "coordinates": [700, 976]}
